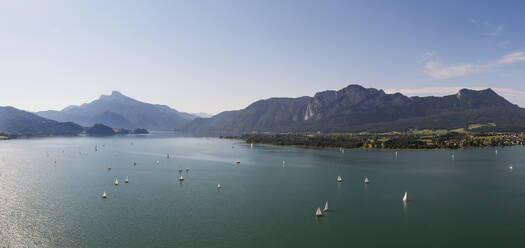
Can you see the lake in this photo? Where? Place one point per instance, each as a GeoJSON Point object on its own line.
{"type": "Point", "coordinates": [472, 199]}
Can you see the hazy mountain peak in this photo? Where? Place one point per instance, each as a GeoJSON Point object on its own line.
{"type": "Point", "coordinates": [116, 93]}
{"type": "Point", "coordinates": [118, 110]}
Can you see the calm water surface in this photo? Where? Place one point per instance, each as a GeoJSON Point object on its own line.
{"type": "Point", "coordinates": [473, 200]}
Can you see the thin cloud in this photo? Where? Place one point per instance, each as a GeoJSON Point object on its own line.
{"type": "Point", "coordinates": [436, 70]}
{"type": "Point", "coordinates": [512, 58]}
{"type": "Point", "coordinates": [488, 28]}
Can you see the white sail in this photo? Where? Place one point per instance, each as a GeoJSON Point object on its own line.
{"type": "Point", "coordinates": [339, 179]}
{"type": "Point", "coordinates": [127, 180]}
{"type": "Point", "coordinates": [366, 180]}
{"type": "Point", "coordinates": [218, 186]}
{"type": "Point", "coordinates": [251, 145]}
{"type": "Point", "coordinates": [104, 194]}
{"type": "Point", "coordinates": [325, 207]}
{"type": "Point", "coordinates": [116, 181]}
{"type": "Point", "coordinates": [405, 197]}
{"type": "Point", "coordinates": [396, 154]}
{"type": "Point", "coordinates": [318, 212]}
{"type": "Point", "coordinates": [181, 178]}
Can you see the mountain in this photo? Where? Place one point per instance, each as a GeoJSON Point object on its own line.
{"type": "Point", "coordinates": [119, 111]}
{"type": "Point", "coordinates": [355, 109]}
{"type": "Point", "coordinates": [15, 121]}
{"type": "Point", "coordinates": [100, 130]}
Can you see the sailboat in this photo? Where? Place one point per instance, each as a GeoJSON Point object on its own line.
{"type": "Point", "coordinates": [116, 182]}
{"type": "Point", "coordinates": [396, 154]}
{"type": "Point", "coordinates": [127, 180]}
{"type": "Point", "coordinates": [181, 178]}
{"type": "Point", "coordinates": [187, 169]}
{"type": "Point", "coordinates": [238, 161]}
{"type": "Point", "coordinates": [325, 207]}
{"type": "Point", "coordinates": [157, 162]}
{"type": "Point", "coordinates": [339, 179]}
{"type": "Point", "coordinates": [452, 156]}
{"type": "Point", "coordinates": [405, 197]}
{"type": "Point", "coordinates": [251, 146]}
{"type": "Point", "coordinates": [318, 212]}
{"type": "Point", "coordinates": [104, 195]}
{"type": "Point", "coordinates": [366, 180]}
{"type": "Point", "coordinates": [284, 163]}
{"type": "Point", "coordinates": [180, 170]}
{"type": "Point", "coordinates": [219, 186]}
{"type": "Point", "coordinates": [510, 167]}
{"type": "Point", "coordinates": [134, 162]}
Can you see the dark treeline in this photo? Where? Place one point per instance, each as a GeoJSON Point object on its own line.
{"type": "Point", "coordinates": [428, 140]}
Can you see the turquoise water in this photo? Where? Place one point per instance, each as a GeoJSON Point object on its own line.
{"type": "Point", "coordinates": [473, 200]}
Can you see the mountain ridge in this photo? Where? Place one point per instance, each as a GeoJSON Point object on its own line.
{"type": "Point", "coordinates": [121, 111]}
{"type": "Point", "coordinates": [16, 121]}
{"type": "Point", "coordinates": [355, 108]}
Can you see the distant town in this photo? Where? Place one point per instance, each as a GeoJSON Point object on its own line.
{"type": "Point", "coordinates": [426, 139]}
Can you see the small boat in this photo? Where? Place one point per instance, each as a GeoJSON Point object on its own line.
{"type": "Point", "coordinates": [238, 161]}
{"type": "Point", "coordinates": [180, 170]}
{"type": "Point", "coordinates": [109, 168]}
{"type": "Point", "coordinates": [181, 178]}
{"type": "Point", "coordinates": [339, 179]}
{"type": "Point", "coordinates": [510, 167]}
{"type": "Point", "coordinates": [187, 169]}
{"type": "Point", "coordinates": [325, 209]}
{"type": "Point", "coordinates": [318, 212]}
{"type": "Point", "coordinates": [219, 186]}
{"type": "Point", "coordinates": [405, 197]}
{"type": "Point", "coordinates": [157, 162]}
{"type": "Point", "coordinates": [116, 182]}
{"type": "Point", "coordinates": [366, 180]}
{"type": "Point", "coordinates": [104, 195]}
{"type": "Point", "coordinates": [134, 162]}
{"type": "Point", "coordinates": [127, 180]}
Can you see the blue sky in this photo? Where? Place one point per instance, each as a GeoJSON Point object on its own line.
{"type": "Point", "coordinates": [211, 56]}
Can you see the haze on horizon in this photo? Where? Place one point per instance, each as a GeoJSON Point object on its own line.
{"type": "Point", "coordinates": [211, 56]}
